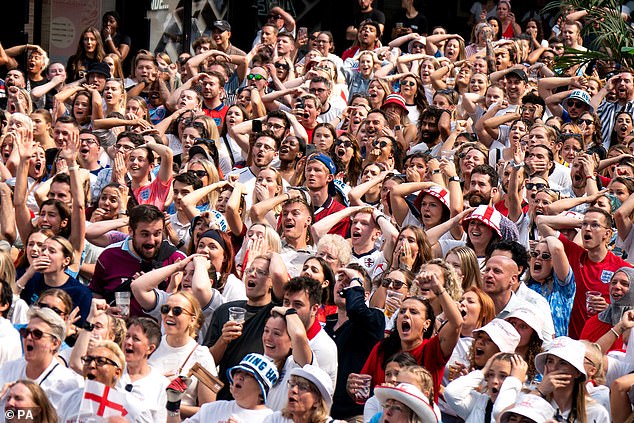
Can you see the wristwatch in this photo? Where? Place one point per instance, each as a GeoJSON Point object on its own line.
{"type": "Point", "coordinates": [454, 179]}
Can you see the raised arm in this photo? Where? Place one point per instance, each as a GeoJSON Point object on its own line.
{"type": "Point", "coordinates": [201, 284]}
{"type": "Point", "coordinates": [41, 90]}
{"type": "Point", "coordinates": [321, 228]}
{"type": "Point", "coordinates": [232, 213]}
{"type": "Point", "coordinates": [7, 216]}
{"type": "Point", "coordinates": [561, 265]}
{"type": "Point", "coordinates": [143, 286]}
{"type": "Point", "coordinates": [167, 159]}
{"type": "Point", "coordinates": [78, 218]}
{"type": "Point", "coordinates": [302, 354]}
{"type": "Point", "coordinates": [400, 208]}
{"type": "Point", "coordinates": [26, 148]}
{"type": "Point", "coordinates": [96, 233]}
{"type": "Point", "coordinates": [190, 200]}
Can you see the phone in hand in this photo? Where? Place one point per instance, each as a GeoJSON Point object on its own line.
{"type": "Point", "coordinates": [256, 125]}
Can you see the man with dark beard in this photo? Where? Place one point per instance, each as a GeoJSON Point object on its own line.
{"type": "Point", "coordinates": [142, 251]}
{"type": "Point", "coordinates": [430, 126]}
{"type": "Point", "coordinates": [483, 190]}
{"type": "Point", "coordinates": [483, 187]}
{"type": "Point", "coordinates": [623, 85]}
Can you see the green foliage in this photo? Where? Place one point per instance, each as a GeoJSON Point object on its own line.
{"type": "Point", "coordinates": [612, 37]}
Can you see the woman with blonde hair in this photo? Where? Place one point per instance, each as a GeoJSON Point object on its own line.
{"type": "Point", "coordinates": [268, 184]}
{"type": "Point", "coordinates": [179, 351]}
{"type": "Point", "coordinates": [114, 63]}
{"type": "Point", "coordinates": [207, 196]}
{"type": "Point", "coordinates": [448, 280]}
{"type": "Point", "coordinates": [27, 396]}
{"type": "Point", "coordinates": [18, 310]}
{"type": "Point", "coordinates": [465, 263]}
{"type": "Point", "coordinates": [114, 96]}
{"type": "Point", "coordinates": [310, 394]}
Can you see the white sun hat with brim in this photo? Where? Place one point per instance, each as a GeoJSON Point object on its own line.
{"type": "Point", "coordinates": [532, 407]}
{"type": "Point", "coordinates": [411, 397]}
{"type": "Point", "coordinates": [532, 319]}
{"type": "Point", "coordinates": [570, 350]}
{"type": "Point", "coordinates": [502, 333]}
{"type": "Point", "coordinates": [319, 378]}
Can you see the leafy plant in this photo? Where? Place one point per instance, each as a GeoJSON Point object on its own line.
{"type": "Point", "coordinates": [612, 37]}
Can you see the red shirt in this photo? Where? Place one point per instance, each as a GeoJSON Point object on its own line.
{"type": "Point", "coordinates": [589, 276]}
{"type": "Point", "coordinates": [428, 354]}
{"type": "Point", "coordinates": [501, 207]}
{"type": "Point", "coordinates": [218, 114]}
{"type": "Point", "coordinates": [332, 206]}
{"type": "Point", "coordinates": [595, 329]}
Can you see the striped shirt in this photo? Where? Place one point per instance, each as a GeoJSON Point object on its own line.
{"type": "Point", "coordinates": [607, 112]}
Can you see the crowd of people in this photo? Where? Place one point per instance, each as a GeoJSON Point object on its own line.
{"type": "Point", "coordinates": [422, 229]}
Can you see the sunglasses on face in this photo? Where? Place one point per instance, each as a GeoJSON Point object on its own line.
{"type": "Point", "coordinates": [575, 103]}
{"type": "Point", "coordinates": [99, 361]}
{"type": "Point", "coordinates": [386, 282]}
{"type": "Point", "coordinates": [176, 310]}
{"type": "Point", "coordinates": [409, 83]}
{"type": "Point", "coordinates": [531, 186]}
{"type": "Point", "coordinates": [55, 309]}
{"type": "Point", "coordinates": [282, 66]}
{"type": "Point", "coordinates": [36, 334]}
{"type": "Point", "coordinates": [345, 143]}
{"type": "Point", "coordinates": [380, 144]}
{"type": "Point", "coordinates": [545, 255]}
{"type": "Point", "coordinates": [586, 121]}
{"type": "Point", "coordinates": [200, 173]}
{"type": "Point", "coordinates": [255, 76]}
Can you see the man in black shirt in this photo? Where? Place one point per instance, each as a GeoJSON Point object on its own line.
{"type": "Point", "coordinates": [356, 329]}
{"type": "Point", "coordinates": [229, 341]}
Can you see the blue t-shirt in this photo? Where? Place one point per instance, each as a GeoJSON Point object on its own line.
{"type": "Point", "coordinates": [80, 294]}
{"type": "Point", "coordinates": [560, 299]}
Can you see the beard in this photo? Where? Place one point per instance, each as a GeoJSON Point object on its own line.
{"type": "Point", "coordinates": [429, 137]}
{"type": "Point", "coordinates": [476, 199]}
{"type": "Point", "coordinates": [146, 251]}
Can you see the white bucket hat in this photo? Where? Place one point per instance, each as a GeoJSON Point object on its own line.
{"type": "Point", "coordinates": [319, 378]}
{"type": "Point", "coordinates": [502, 333]}
{"type": "Point", "coordinates": [530, 406]}
{"type": "Point", "coordinates": [409, 395]}
{"type": "Point", "coordinates": [566, 349]}
{"type": "Point", "coordinates": [529, 317]}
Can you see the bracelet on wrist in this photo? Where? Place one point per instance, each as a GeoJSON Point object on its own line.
{"type": "Point", "coordinates": [615, 332]}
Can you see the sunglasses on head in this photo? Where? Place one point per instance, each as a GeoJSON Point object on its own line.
{"type": "Point", "coordinates": [255, 76]}
{"type": "Point", "coordinates": [176, 310]}
{"type": "Point", "coordinates": [386, 282]}
{"type": "Point", "coordinates": [55, 309]}
{"type": "Point", "coordinates": [35, 333]}
{"type": "Point", "coordinates": [545, 255]}
{"type": "Point", "coordinates": [531, 186]}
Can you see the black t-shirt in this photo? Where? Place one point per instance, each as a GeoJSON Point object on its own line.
{"type": "Point", "coordinates": [249, 342]}
{"type": "Point", "coordinates": [374, 15]}
{"type": "Point", "coordinates": [418, 23]}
